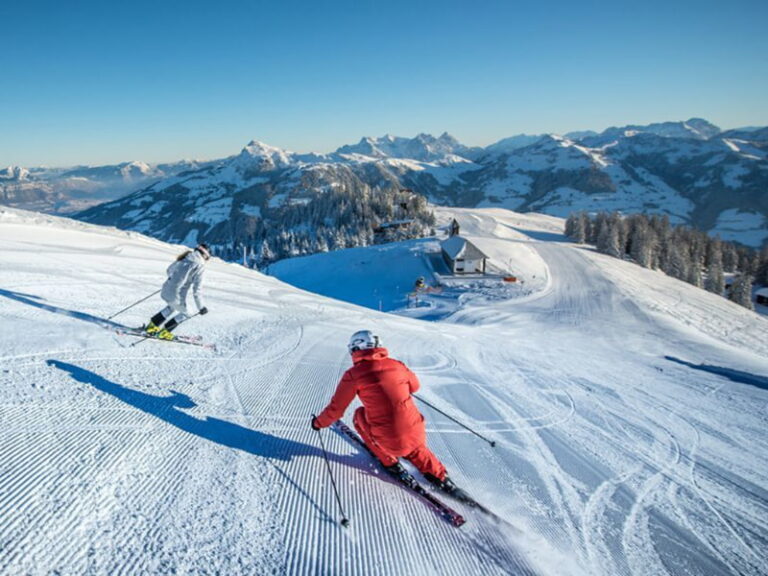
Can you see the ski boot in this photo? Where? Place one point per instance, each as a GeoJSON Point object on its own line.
{"type": "Point", "coordinates": [397, 471]}
{"type": "Point", "coordinates": [152, 328]}
{"type": "Point", "coordinates": [165, 335]}
{"type": "Point", "coordinates": [446, 485]}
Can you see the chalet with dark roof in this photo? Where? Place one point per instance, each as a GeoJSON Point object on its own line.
{"type": "Point", "coordinates": [462, 256]}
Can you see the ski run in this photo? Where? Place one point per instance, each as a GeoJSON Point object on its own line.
{"type": "Point", "coordinates": [629, 413]}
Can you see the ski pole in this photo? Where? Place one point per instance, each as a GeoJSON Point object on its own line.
{"type": "Point", "coordinates": [177, 325]}
{"type": "Point", "coordinates": [134, 304]}
{"type": "Point", "coordinates": [419, 398]}
{"type": "Point", "coordinates": [344, 519]}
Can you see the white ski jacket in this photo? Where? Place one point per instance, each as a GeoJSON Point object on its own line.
{"type": "Point", "coordinates": [182, 275]}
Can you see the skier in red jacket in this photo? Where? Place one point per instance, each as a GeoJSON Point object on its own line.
{"type": "Point", "coordinates": [388, 421]}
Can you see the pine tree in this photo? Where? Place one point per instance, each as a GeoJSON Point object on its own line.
{"type": "Point", "coordinates": [678, 263]}
{"type": "Point", "coordinates": [714, 252]}
{"type": "Point", "coordinates": [715, 282]}
{"type": "Point", "coordinates": [576, 227]}
{"type": "Point", "coordinates": [266, 255]}
{"type": "Point", "coordinates": [643, 242]}
{"type": "Point", "coordinates": [730, 257]}
{"type": "Point", "coordinates": [761, 275]}
{"type": "Point", "coordinates": [622, 225]}
{"type": "Point", "coordinates": [594, 230]}
{"type": "Point", "coordinates": [570, 225]}
{"type": "Point", "coordinates": [741, 291]}
{"type": "Point", "coordinates": [694, 274]}
{"type": "Point", "coordinates": [608, 239]}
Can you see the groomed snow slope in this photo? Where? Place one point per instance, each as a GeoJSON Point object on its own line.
{"type": "Point", "coordinates": [629, 411]}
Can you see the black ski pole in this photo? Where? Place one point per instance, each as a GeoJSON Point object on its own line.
{"type": "Point", "coordinates": [344, 519]}
{"type": "Point", "coordinates": [132, 305]}
{"type": "Point", "coordinates": [177, 325]}
{"type": "Point", "coordinates": [420, 399]}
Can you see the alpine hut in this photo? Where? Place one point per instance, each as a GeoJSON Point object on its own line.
{"type": "Point", "coordinates": [462, 256]}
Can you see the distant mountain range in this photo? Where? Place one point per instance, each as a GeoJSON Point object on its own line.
{"type": "Point", "coordinates": [694, 172]}
{"type": "Point", "coordinates": [67, 190]}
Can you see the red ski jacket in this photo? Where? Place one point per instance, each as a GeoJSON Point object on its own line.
{"type": "Point", "coordinates": [385, 386]}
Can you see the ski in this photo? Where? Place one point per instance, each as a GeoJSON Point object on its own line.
{"type": "Point", "coordinates": [408, 481]}
{"type": "Point", "coordinates": [461, 496]}
{"type": "Point", "coordinates": [190, 340]}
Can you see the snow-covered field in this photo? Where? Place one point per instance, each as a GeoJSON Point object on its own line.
{"type": "Point", "coordinates": [629, 412]}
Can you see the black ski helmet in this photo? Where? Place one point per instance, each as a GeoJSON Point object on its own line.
{"type": "Point", "coordinates": [203, 249]}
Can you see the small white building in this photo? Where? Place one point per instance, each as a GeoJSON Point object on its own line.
{"type": "Point", "coordinates": [761, 296]}
{"type": "Point", "coordinates": [462, 256]}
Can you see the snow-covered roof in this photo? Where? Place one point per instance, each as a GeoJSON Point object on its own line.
{"type": "Point", "coordinates": [395, 223]}
{"type": "Point", "coordinates": [457, 247]}
{"type": "Point", "coordinates": [762, 292]}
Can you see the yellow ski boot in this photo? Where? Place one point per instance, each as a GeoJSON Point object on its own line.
{"type": "Point", "coordinates": [152, 328]}
{"type": "Point", "coordinates": [165, 335]}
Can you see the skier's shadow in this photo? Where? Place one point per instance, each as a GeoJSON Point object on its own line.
{"type": "Point", "coordinates": [38, 302]}
{"type": "Point", "coordinates": [733, 375]}
{"type": "Point", "coordinates": [171, 408]}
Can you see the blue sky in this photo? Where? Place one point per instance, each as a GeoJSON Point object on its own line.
{"type": "Point", "coordinates": [102, 82]}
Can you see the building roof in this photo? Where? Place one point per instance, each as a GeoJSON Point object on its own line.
{"type": "Point", "coordinates": [762, 292]}
{"type": "Point", "coordinates": [395, 223]}
{"type": "Point", "coordinates": [457, 247]}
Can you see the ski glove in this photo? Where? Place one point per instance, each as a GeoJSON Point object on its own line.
{"type": "Point", "coordinates": [203, 311]}
{"type": "Point", "coordinates": [314, 424]}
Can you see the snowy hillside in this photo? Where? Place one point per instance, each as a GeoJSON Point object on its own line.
{"type": "Point", "coordinates": [629, 412]}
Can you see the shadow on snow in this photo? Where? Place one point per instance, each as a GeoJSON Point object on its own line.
{"type": "Point", "coordinates": [171, 408]}
{"type": "Point", "coordinates": [734, 375]}
{"type": "Point", "coordinates": [38, 302]}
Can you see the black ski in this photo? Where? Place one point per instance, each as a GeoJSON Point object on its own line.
{"type": "Point", "coordinates": [445, 511]}
{"type": "Point", "coordinates": [461, 496]}
{"type": "Point", "coordinates": [190, 340]}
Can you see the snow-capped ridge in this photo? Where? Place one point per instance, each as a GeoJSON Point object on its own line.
{"type": "Point", "coordinates": [512, 143]}
{"type": "Point", "coordinates": [14, 173]}
{"type": "Point", "coordinates": [694, 128]}
{"type": "Point", "coordinates": [422, 147]}
{"type": "Point", "coordinates": [625, 169]}
{"type": "Point", "coordinates": [266, 157]}
{"type": "Point", "coordinates": [135, 169]}
{"type": "Point", "coordinates": [751, 134]}
{"type": "Point", "coordinates": [633, 168]}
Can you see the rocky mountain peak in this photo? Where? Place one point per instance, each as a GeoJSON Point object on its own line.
{"type": "Point", "coordinates": [15, 174]}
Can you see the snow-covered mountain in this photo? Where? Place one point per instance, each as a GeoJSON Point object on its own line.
{"type": "Point", "coordinates": [423, 147]}
{"type": "Point", "coordinates": [694, 181]}
{"type": "Point", "coordinates": [269, 203]}
{"type": "Point", "coordinates": [693, 129]}
{"type": "Point", "coordinates": [688, 170]}
{"type": "Point", "coordinates": [14, 174]}
{"type": "Point", "coordinates": [513, 143]}
{"type": "Point", "coordinates": [628, 411]}
{"type": "Point", "coordinates": [67, 190]}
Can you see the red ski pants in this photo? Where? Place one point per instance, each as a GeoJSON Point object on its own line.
{"type": "Point", "coordinates": [422, 457]}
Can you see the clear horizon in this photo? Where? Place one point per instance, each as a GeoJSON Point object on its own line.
{"type": "Point", "coordinates": [93, 84]}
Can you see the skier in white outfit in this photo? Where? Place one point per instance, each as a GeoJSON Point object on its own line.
{"type": "Point", "coordinates": [185, 273]}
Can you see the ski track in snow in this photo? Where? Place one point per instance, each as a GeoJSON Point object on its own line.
{"type": "Point", "coordinates": [614, 455]}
